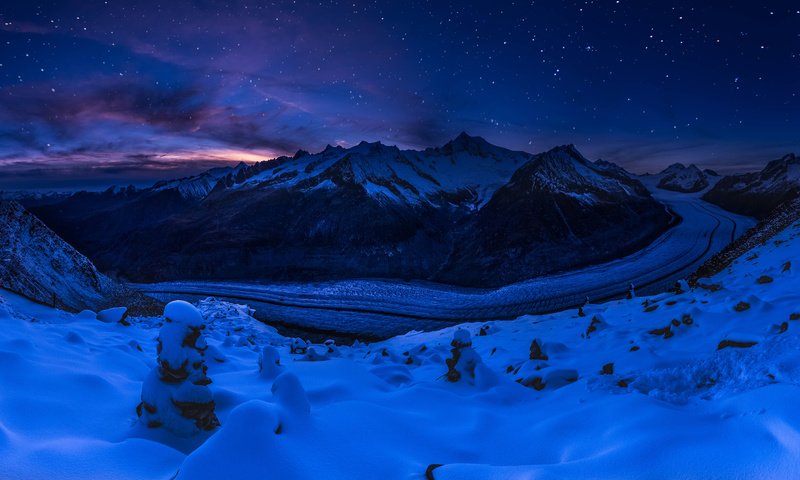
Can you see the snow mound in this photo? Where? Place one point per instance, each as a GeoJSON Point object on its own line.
{"type": "Point", "coordinates": [290, 394]}
{"type": "Point", "coordinates": [269, 362]}
{"type": "Point", "coordinates": [176, 395]}
{"type": "Point", "coordinates": [185, 313]}
{"type": "Point", "coordinates": [112, 315]}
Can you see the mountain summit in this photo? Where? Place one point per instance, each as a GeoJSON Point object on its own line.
{"type": "Point", "coordinates": [680, 178]}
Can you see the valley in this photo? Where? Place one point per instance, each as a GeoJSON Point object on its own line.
{"type": "Point", "coordinates": [380, 308]}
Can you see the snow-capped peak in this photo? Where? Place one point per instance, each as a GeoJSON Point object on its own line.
{"type": "Point", "coordinates": [199, 186]}
{"type": "Point", "coordinates": [680, 178]}
{"type": "Point", "coordinates": [473, 145]}
{"type": "Point", "coordinates": [564, 170]}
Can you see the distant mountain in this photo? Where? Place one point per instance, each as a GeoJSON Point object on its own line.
{"type": "Point", "coordinates": [34, 198]}
{"type": "Point", "coordinates": [558, 211]}
{"type": "Point", "coordinates": [199, 186]}
{"type": "Point", "coordinates": [757, 194]}
{"type": "Point", "coordinates": [680, 178]}
{"type": "Point", "coordinates": [612, 168]}
{"type": "Point", "coordinates": [36, 263]}
{"type": "Point", "coordinates": [368, 211]}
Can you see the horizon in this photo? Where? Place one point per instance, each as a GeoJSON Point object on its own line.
{"type": "Point", "coordinates": [205, 165]}
{"type": "Point", "coordinates": [107, 93]}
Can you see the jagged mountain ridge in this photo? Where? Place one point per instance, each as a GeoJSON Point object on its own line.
{"type": "Point", "coordinates": [368, 211]}
{"type": "Point", "coordinates": [198, 186]}
{"type": "Point", "coordinates": [758, 193]}
{"type": "Point", "coordinates": [465, 167]}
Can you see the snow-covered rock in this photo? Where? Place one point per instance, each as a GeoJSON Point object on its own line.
{"type": "Point", "coordinates": [269, 362]}
{"type": "Point", "coordinates": [112, 315]}
{"type": "Point", "coordinates": [299, 346]}
{"type": "Point", "coordinates": [185, 313]}
{"type": "Point", "coordinates": [464, 364]}
{"type": "Point", "coordinates": [175, 395]}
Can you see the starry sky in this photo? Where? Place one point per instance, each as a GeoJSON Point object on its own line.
{"type": "Point", "coordinates": [94, 93]}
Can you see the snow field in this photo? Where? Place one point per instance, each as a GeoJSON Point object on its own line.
{"type": "Point", "coordinates": [633, 388]}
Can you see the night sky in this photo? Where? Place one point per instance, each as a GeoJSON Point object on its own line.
{"type": "Point", "coordinates": [94, 93]}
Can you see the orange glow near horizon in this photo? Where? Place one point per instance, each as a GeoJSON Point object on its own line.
{"type": "Point", "coordinates": [224, 155]}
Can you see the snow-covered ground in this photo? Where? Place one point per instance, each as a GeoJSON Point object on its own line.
{"type": "Point", "coordinates": [634, 389]}
{"type": "Point", "coordinates": [384, 308]}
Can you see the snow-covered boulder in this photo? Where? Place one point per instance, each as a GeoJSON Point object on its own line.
{"type": "Point", "coordinates": [558, 378]}
{"type": "Point", "coordinates": [247, 446]}
{"type": "Point", "coordinates": [299, 346]}
{"type": "Point", "coordinates": [315, 354]}
{"type": "Point", "coordinates": [269, 362]}
{"type": "Point", "coordinates": [332, 350]}
{"type": "Point", "coordinates": [175, 395]}
{"type": "Point", "coordinates": [185, 313]}
{"type": "Point", "coordinates": [112, 315]}
{"type": "Point", "coordinates": [465, 365]}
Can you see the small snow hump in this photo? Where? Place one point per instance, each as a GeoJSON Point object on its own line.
{"type": "Point", "coordinates": [269, 362]}
{"type": "Point", "coordinates": [112, 315]}
{"type": "Point", "coordinates": [290, 394]}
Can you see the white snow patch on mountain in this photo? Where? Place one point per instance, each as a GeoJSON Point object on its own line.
{"type": "Point", "coordinates": [199, 186]}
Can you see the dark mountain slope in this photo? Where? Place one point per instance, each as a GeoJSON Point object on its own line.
{"type": "Point", "coordinates": [758, 194]}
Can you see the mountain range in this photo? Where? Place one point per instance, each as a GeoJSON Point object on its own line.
{"type": "Point", "coordinates": [466, 213]}
{"type": "Point", "coordinates": [757, 194]}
